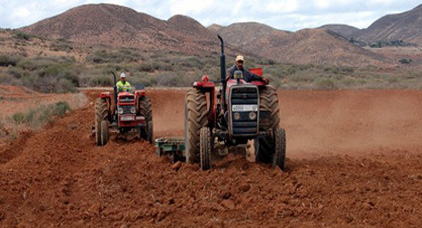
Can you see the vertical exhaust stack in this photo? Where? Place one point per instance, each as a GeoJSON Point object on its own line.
{"type": "Point", "coordinates": [115, 89]}
{"type": "Point", "coordinates": [223, 71]}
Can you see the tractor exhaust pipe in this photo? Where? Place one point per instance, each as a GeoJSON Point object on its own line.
{"type": "Point", "coordinates": [115, 90]}
{"type": "Point", "coordinates": [223, 70]}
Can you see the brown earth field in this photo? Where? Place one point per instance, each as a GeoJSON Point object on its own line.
{"type": "Point", "coordinates": [354, 160]}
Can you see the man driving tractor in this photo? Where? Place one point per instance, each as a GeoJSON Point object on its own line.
{"type": "Point", "coordinates": [247, 76]}
{"type": "Point", "coordinates": [123, 85]}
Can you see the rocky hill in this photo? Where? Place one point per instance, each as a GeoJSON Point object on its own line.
{"type": "Point", "coordinates": [405, 26]}
{"type": "Point", "coordinates": [317, 46]}
{"type": "Point", "coordinates": [343, 30]}
{"type": "Point", "coordinates": [121, 26]}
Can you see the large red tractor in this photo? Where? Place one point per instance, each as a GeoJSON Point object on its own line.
{"type": "Point", "coordinates": [239, 112]}
{"type": "Point", "coordinates": [123, 112]}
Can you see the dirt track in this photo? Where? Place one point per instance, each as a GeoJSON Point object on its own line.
{"type": "Point", "coordinates": [354, 161]}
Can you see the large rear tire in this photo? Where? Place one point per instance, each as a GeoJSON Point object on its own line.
{"type": "Point", "coordinates": [268, 102]}
{"type": "Point", "coordinates": [101, 114]}
{"type": "Point", "coordinates": [196, 117]}
{"type": "Point", "coordinates": [269, 106]}
{"type": "Point", "coordinates": [205, 148]}
{"type": "Point", "coordinates": [280, 148]}
{"type": "Point", "coordinates": [145, 110]}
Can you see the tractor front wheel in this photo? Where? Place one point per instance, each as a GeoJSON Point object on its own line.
{"type": "Point", "coordinates": [145, 110]}
{"type": "Point", "coordinates": [150, 136]}
{"type": "Point", "coordinates": [205, 148]}
{"type": "Point", "coordinates": [280, 148]}
{"type": "Point", "coordinates": [104, 132]}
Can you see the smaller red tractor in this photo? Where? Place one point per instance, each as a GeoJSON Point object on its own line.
{"type": "Point", "coordinates": [123, 112]}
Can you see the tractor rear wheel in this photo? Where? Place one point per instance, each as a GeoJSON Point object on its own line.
{"type": "Point", "coordinates": [196, 117]}
{"type": "Point", "coordinates": [268, 103]}
{"type": "Point", "coordinates": [145, 110]}
{"type": "Point", "coordinates": [205, 148]}
{"type": "Point", "coordinates": [101, 114]}
{"type": "Point", "coordinates": [280, 148]}
{"type": "Point", "coordinates": [269, 106]}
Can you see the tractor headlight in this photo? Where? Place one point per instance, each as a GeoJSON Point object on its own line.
{"type": "Point", "coordinates": [252, 115]}
{"type": "Point", "coordinates": [236, 116]}
{"type": "Point", "coordinates": [120, 110]}
{"type": "Point", "coordinates": [133, 110]}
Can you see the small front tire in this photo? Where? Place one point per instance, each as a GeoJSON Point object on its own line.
{"type": "Point", "coordinates": [205, 148]}
{"type": "Point", "coordinates": [280, 148]}
{"type": "Point", "coordinates": [150, 136]}
{"type": "Point", "coordinates": [104, 132]}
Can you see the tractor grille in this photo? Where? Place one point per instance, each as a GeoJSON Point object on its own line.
{"type": "Point", "coordinates": [127, 99]}
{"type": "Point", "coordinates": [244, 97]}
{"type": "Point", "coordinates": [126, 109]}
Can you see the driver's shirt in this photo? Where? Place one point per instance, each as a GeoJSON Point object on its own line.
{"type": "Point", "coordinates": [247, 76]}
{"type": "Point", "coordinates": [123, 86]}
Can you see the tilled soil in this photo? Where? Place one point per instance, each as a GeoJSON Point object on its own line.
{"type": "Point", "coordinates": [354, 161]}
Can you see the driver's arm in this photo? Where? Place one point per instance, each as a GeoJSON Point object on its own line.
{"type": "Point", "coordinates": [255, 77]}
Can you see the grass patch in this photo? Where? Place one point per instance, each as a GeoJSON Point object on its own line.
{"type": "Point", "coordinates": [325, 84]}
{"type": "Point", "coordinates": [36, 118]}
{"type": "Point", "coordinates": [18, 118]}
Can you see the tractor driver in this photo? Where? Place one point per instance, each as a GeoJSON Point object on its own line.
{"type": "Point", "coordinates": [123, 85]}
{"type": "Point", "coordinates": [247, 76]}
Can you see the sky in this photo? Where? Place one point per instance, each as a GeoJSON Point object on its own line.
{"type": "Point", "coordinates": [290, 15]}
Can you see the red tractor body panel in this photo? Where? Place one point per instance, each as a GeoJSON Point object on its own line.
{"type": "Point", "coordinates": [257, 71]}
{"type": "Point", "coordinates": [106, 95]}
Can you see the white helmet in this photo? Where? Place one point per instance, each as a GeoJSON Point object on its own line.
{"type": "Point", "coordinates": [122, 75]}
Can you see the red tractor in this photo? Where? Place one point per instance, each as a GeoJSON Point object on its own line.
{"type": "Point", "coordinates": [123, 112]}
{"type": "Point", "coordinates": [239, 112]}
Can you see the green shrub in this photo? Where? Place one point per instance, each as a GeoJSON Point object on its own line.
{"type": "Point", "coordinates": [271, 62]}
{"type": "Point", "coordinates": [146, 67]}
{"type": "Point", "coordinates": [392, 80]}
{"type": "Point", "coordinates": [101, 80]}
{"type": "Point", "coordinates": [61, 45]}
{"type": "Point", "coordinates": [102, 56]}
{"type": "Point", "coordinates": [23, 36]}
{"type": "Point", "coordinates": [143, 79]}
{"type": "Point", "coordinates": [325, 84]}
{"type": "Point", "coordinates": [168, 80]}
{"type": "Point", "coordinates": [332, 69]}
{"type": "Point", "coordinates": [30, 117]}
{"type": "Point", "coordinates": [41, 115]}
{"type": "Point", "coordinates": [162, 65]}
{"type": "Point", "coordinates": [18, 118]}
{"type": "Point", "coordinates": [177, 79]}
{"type": "Point", "coordinates": [60, 108]}
{"type": "Point", "coordinates": [6, 60]}
{"type": "Point", "coordinates": [6, 79]}
{"type": "Point", "coordinates": [17, 73]}
{"type": "Point", "coordinates": [302, 77]}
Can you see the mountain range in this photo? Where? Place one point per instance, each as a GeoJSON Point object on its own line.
{"type": "Point", "coordinates": [404, 26]}
{"type": "Point", "coordinates": [121, 26]}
